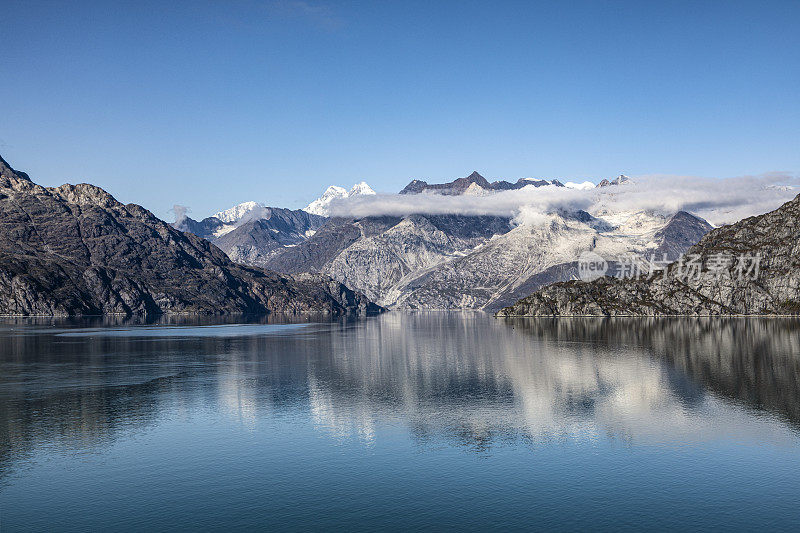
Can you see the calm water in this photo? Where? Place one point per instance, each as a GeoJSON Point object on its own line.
{"type": "Point", "coordinates": [406, 421]}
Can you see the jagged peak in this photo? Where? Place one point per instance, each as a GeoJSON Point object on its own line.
{"type": "Point", "coordinates": [361, 188]}
{"type": "Point", "coordinates": [414, 187]}
{"type": "Point", "coordinates": [80, 193]}
{"type": "Point", "coordinates": [14, 179]}
{"type": "Point", "coordinates": [5, 167]}
{"type": "Point", "coordinates": [619, 180]}
{"type": "Point", "coordinates": [684, 214]}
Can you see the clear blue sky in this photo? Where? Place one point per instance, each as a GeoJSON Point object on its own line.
{"type": "Point", "coordinates": [208, 104]}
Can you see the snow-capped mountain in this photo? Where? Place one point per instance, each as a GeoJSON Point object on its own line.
{"type": "Point", "coordinates": [321, 205]}
{"type": "Point", "coordinates": [446, 261]}
{"type": "Point", "coordinates": [237, 212]}
{"type": "Point", "coordinates": [361, 188]}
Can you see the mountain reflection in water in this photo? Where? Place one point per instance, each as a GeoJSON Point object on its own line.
{"type": "Point", "coordinates": [404, 421]}
{"type": "Point", "coordinates": [465, 378]}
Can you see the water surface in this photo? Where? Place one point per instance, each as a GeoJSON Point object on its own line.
{"type": "Point", "coordinates": [404, 421]}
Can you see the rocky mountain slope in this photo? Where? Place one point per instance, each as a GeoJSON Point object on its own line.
{"type": "Point", "coordinates": [252, 236]}
{"type": "Point", "coordinates": [534, 255]}
{"type": "Point", "coordinates": [75, 250]}
{"type": "Point", "coordinates": [458, 261]}
{"type": "Point", "coordinates": [751, 267]}
{"type": "Point", "coordinates": [378, 253]}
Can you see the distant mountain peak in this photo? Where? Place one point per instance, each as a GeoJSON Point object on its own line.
{"type": "Point", "coordinates": [321, 205]}
{"type": "Point", "coordinates": [619, 180]}
{"type": "Point", "coordinates": [456, 187]}
{"type": "Point", "coordinates": [361, 188]}
{"type": "Point", "coordinates": [474, 183]}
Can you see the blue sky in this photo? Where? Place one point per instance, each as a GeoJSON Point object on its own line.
{"type": "Point", "coordinates": [209, 104]}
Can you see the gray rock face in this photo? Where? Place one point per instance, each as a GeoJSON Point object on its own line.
{"type": "Point", "coordinates": [377, 254]}
{"type": "Point", "coordinates": [75, 250]}
{"type": "Point", "coordinates": [682, 232]}
{"type": "Point", "coordinates": [719, 288]}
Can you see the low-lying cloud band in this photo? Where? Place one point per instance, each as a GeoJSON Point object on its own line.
{"type": "Point", "coordinates": [720, 201]}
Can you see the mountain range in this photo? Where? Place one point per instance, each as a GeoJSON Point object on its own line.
{"type": "Point", "coordinates": [474, 262]}
{"type": "Point", "coordinates": [445, 261]}
{"type": "Point", "coordinates": [474, 184]}
{"type": "Point", "coordinates": [75, 250]}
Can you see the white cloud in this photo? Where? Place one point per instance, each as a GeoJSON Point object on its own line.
{"type": "Point", "coordinates": [586, 185]}
{"type": "Point", "coordinates": [720, 201]}
{"type": "Point", "coordinates": [181, 214]}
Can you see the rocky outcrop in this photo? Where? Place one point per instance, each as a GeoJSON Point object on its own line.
{"type": "Point", "coordinates": [75, 250]}
{"type": "Point", "coordinates": [749, 268]}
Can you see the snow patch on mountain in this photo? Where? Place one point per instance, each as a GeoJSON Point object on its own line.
{"type": "Point", "coordinates": [476, 190]}
{"type": "Point", "coordinates": [237, 212]}
{"type": "Point", "coordinates": [223, 230]}
{"type": "Point", "coordinates": [583, 186]}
